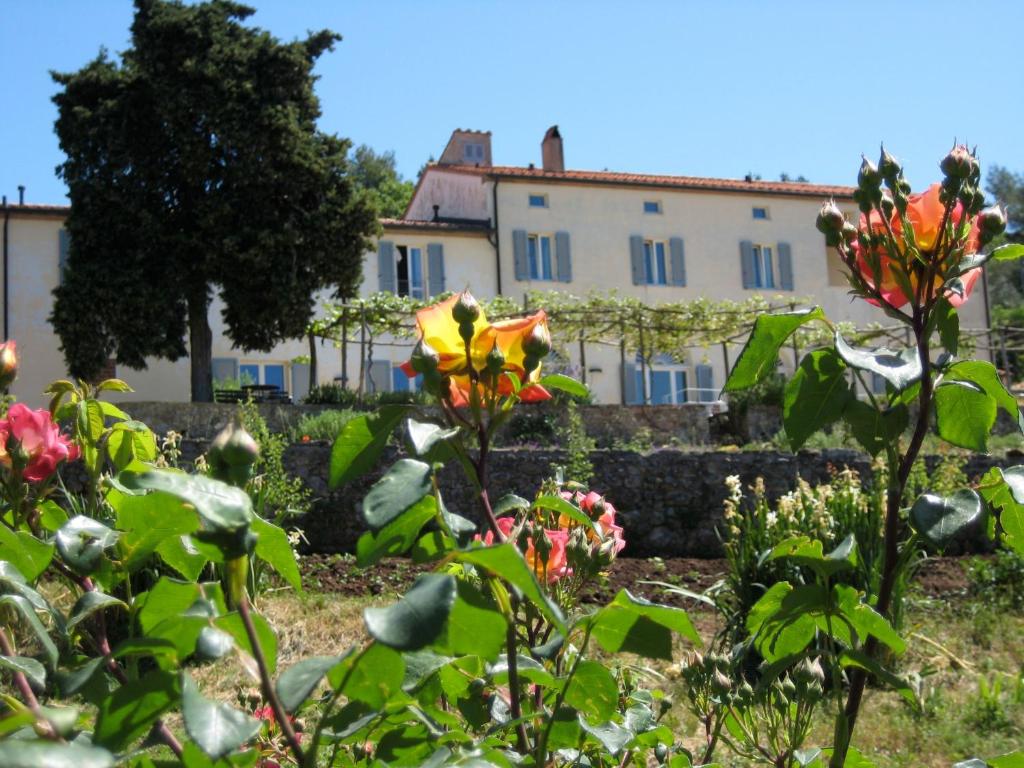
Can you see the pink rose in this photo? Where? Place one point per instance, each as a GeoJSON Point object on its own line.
{"type": "Point", "coordinates": [505, 525]}
{"type": "Point", "coordinates": [32, 440]}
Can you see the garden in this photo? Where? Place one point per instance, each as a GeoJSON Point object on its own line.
{"type": "Point", "coordinates": [158, 609]}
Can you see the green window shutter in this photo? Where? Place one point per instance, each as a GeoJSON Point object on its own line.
{"type": "Point", "coordinates": [224, 369]}
{"type": "Point", "coordinates": [785, 267]}
{"type": "Point", "coordinates": [521, 264]}
{"type": "Point", "coordinates": [378, 376]}
{"type": "Point", "coordinates": [705, 383]}
{"type": "Point", "coordinates": [630, 392]}
{"type": "Point", "coordinates": [435, 268]}
{"type": "Point", "coordinates": [386, 266]}
{"type": "Point", "coordinates": [675, 247]}
{"type": "Point", "coordinates": [563, 259]}
{"type": "Point", "coordinates": [747, 263]}
{"type": "Point", "coordinates": [636, 259]}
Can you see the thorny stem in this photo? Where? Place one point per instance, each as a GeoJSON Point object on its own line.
{"type": "Point", "coordinates": [269, 693]}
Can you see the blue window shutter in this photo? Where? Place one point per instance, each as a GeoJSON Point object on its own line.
{"type": "Point", "coordinates": [630, 391]}
{"type": "Point", "coordinates": [785, 267]}
{"type": "Point", "coordinates": [378, 376]}
{"type": "Point", "coordinates": [399, 381]}
{"type": "Point", "coordinates": [225, 368]}
{"type": "Point", "coordinates": [563, 258]}
{"type": "Point", "coordinates": [435, 268]}
{"type": "Point", "coordinates": [386, 265]}
{"type": "Point", "coordinates": [300, 380]}
{"type": "Point", "coordinates": [675, 247]}
{"type": "Point", "coordinates": [747, 264]}
{"type": "Point", "coordinates": [522, 266]}
{"type": "Point", "coordinates": [636, 259]}
{"type": "Point", "coordinates": [705, 383]}
{"type": "Point", "coordinates": [63, 248]}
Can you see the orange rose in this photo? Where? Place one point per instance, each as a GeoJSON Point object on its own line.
{"type": "Point", "coordinates": [925, 212]}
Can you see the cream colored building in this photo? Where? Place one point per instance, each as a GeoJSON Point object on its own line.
{"type": "Point", "coordinates": [507, 230]}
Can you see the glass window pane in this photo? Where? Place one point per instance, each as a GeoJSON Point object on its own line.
{"type": "Point", "coordinates": [660, 251]}
{"type": "Point", "coordinates": [399, 381]}
{"type": "Point", "coordinates": [274, 375]}
{"type": "Point", "coordinates": [248, 374]}
{"type": "Point", "coordinates": [769, 276]}
{"type": "Point", "coordinates": [538, 201]}
{"type": "Point", "coordinates": [652, 206]}
{"type": "Point", "coordinates": [661, 387]}
{"type": "Point", "coordinates": [758, 279]}
{"type": "Point", "coordinates": [416, 273]}
{"type": "Point", "coordinates": [545, 250]}
{"type": "Point", "coordinates": [531, 249]}
{"type": "Point", "coordinates": [648, 264]}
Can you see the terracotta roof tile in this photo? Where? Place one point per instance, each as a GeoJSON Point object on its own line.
{"type": "Point", "coordinates": [616, 178]}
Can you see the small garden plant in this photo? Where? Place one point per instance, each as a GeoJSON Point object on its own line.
{"type": "Point", "coordinates": [120, 581]}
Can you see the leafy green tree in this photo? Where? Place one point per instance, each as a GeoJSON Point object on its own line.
{"type": "Point", "coordinates": [194, 165]}
{"type": "Point", "coordinates": [377, 174]}
{"type": "Point", "coordinates": [1006, 278]}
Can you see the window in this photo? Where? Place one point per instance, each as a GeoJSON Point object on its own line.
{"type": "Point", "coordinates": [409, 265]}
{"type": "Point", "coordinates": [538, 253]}
{"type": "Point", "coordinates": [400, 381]}
{"type": "Point", "coordinates": [654, 263]}
{"type": "Point", "coordinates": [764, 274]}
{"type": "Point", "coordinates": [473, 152]}
{"type": "Point", "coordinates": [264, 374]}
{"type": "Point", "coordinates": [667, 384]}
{"type": "Point", "coordinates": [760, 213]}
{"type": "Point", "coordinates": [538, 201]}
{"type": "Point", "coordinates": [652, 206]}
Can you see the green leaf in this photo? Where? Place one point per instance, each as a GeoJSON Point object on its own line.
{"type": "Point", "coordinates": [1008, 252]}
{"type": "Point", "coordinates": [506, 562]}
{"type": "Point", "coordinates": [232, 624]}
{"type": "Point", "coordinates": [528, 669]}
{"type": "Point", "coordinates": [89, 603]}
{"type": "Point", "coordinates": [782, 620]}
{"type": "Point", "coordinates": [941, 519]}
{"type": "Point", "coordinates": [475, 625]}
{"type": "Point", "coordinates": [130, 441]}
{"type": "Point", "coordinates": [986, 377]}
{"type": "Point", "coordinates": [131, 709]}
{"type": "Point", "coordinates": [1004, 489]}
{"type": "Point", "coordinates": [815, 396]}
{"type": "Point", "coordinates": [761, 352]}
{"type": "Point", "coordinates": [428, 439]}
{"type": "Point", "coordinates": [563, 507]}
{"type": "Point", "coordinates": [1011, 760]}
{"type": "Point", "coordinates": [81, 541]}
{"type": "Point", "coordinates": [217, 728]}
{"type": "Point", "coordinates": [361, 443]}
{"type": "Point", "coordinates": [612, 736]}
{"type": "Point", "coordinates": [853, 658]}
{"type": "Point", "coordinates": [30, 668]}
{"type": "Point", "coordinates": [297, 682]}
{"type": "Point", "coordinates": [402, 486]}
{"type": "Point", "coordinates": [947, 323]}
{"type": "Point", "coordinates": [865, 619]}
{"type": "Point", "coordinates": [223, 508]}
{"type": "Point", "coordinates": [809, 553]}
{"type": "Point", "coordinates": [25, 552]}
{"type": "Point", "coordinates": [273, 547]}
{"type": "Point", "coordinates": [181, 554]}
{"type": "Point", "coordinates": [213, 644]}
{"type": "Point", "coordinates": [397, 536]}
{"type": "Point", "coordinates": [431, 546]}
{"type": "Point", "coordinates": [51, 516]}
{"type": "Point", "coordinates": [24, 607]}
{"type": "Point", "coordinates": [157, 648]}
{"type": "Point", "coordinates": [565, 383]}
{"type": "Point", "coordinates": [634, 625]}
{"type": "Point", "coordinates": [90, 421]}
{"type": "Point", "coordinates": [20, 753]}
{"type": "Point", "coordinates": [146, 521]}
{"type": "Point", "coordinates": [418, 619]}
{"type": "Point", "coordinates": [169, 598]}
{"type": "Point", "coordinates": [510, 503]}
{"type": "Point", "coordinates": [900, 368]}
{"type": "Point", "coordinates": [371, 677]}
{"type": "Point", "coordinates": [592, 691]}
{"type": "Point", "coordinates": [874, 429]}
{"type": "Point", "coordinates": [965, 414]}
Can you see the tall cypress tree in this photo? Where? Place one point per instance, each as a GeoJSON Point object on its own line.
{"type": "Point", "coordinates": [195, 165]}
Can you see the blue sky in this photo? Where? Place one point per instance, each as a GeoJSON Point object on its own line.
{"type": "Point", "coordinates": [699, 88]}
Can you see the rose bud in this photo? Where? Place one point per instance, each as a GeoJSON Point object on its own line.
{"type": "Point", "coordinates": [889, 168]}
{"type": "Point", "coordinates": [9, 363]}
{"type": "Point", "coordinates": [887, 203]}
{"type": "Point", "coordinates": [830, 218]}
{"type": "Point", "coordinates": [424, 358]}
{"type": "Point", "coordinates": [991, 222]}
{"type": "Point", "coordinates": [868, 177]}
{"type": "Point", "coordinates": [959, 163]}
{"type": "Point", "coordinates": [495, 360]}
{"type": "Point", "coordinates": [849, 232]}
{"type": "Point", "coordinates": [466, 309]}
{"type": "Point", "coordinates": [538, 342]}
{"type": "Point", "coordinates": [232, 455]}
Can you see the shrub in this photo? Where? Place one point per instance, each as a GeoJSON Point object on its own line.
{"type": "Point", "coordinates": [326, 425]}
{"type": "Point", "coordinates": [998, 580]}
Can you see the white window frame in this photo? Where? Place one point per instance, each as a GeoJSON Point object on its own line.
{"type": "Point", "coordinates": [261, 365]}
{"type": "Point", "coordinates": [534, 196]}
{"type": "Point", "coordinates": [679, 396]}
{"type": "Point", "coordinates": [657, 207]}
{"type": "Point", "coordinates": [535, 256]}
{"type": "Point", "coordinates": [765, 266]}
{"type": "Point", "coordinates": [406, 251]}
{"type": "Point", "coordinates": [654, 275]}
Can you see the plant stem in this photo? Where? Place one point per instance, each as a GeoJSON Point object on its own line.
{"type": "Point", "coordinates": [27, 694]}
{"type": "Point", "coordinates": [858, 676]}
{"type": "Point", "coordinates": [266, 683]}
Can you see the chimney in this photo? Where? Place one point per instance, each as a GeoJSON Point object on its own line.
{"type": "Point", "coordinates": [21, 194]}
{"type": "Point", "coordinates": [551, 155]}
